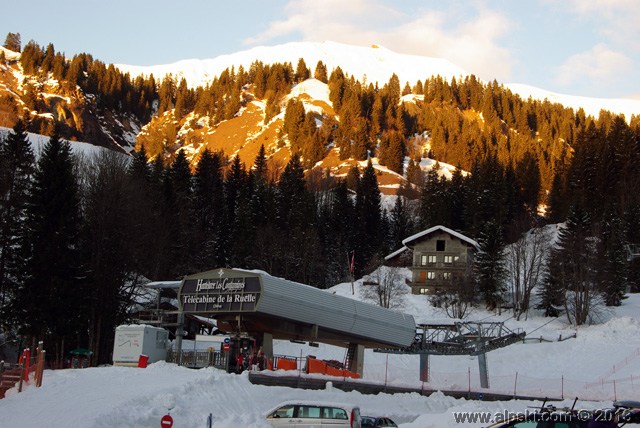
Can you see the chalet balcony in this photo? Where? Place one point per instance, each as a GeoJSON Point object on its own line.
{"type": "Point", "coordinates": [441, 265]}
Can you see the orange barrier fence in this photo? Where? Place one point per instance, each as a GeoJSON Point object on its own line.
{"type": "Point", "coordinates": [286, 364]}
{"type": "Point", "coordinates": [321, 367]}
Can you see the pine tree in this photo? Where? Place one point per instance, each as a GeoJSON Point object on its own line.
{"type": "Point", "coordinates": [392, 151]}
{"type": "Point", "coordinates": [260, 167]}
{"type": "Point", "coordinates": [294, 117]}
{"type": "Point", "coordinates": [145, 213]}
{"type": "Point", "coordinates": [612, 274]}
{"type": "Point", "coordinates": [51, 300]}
{"type": "Point", "coordinates": [302, 72]}
{"type": "Point", "coordinates": [571, 279]}
{"type": "Point", "coordinates": [339, 236]}
{"type": "Point", "coordinates": [16, 168]}
{"type": "Point", "coordinates": [433, 209]}
{"type": "Point", "coordinates": [490, 265]}
{"type": "Point", "coordinates": [208, 197]}
{"type": "Point", "coordinates": [296, 222]}
{"type": "Point", "coordinates": [12, 42]}
{"type": "Point", "coordinates": [558, 199]}
{"type": "Point", "coordinates": [369, 218]}
{"type": "Point", "coordinates": [320, 72]}
{"type": "Point", "coordinates": [400, 224]}
{"type": "Point", "coordinates": [179, 199]}
{"type": "Point", "coordinates": [528, 178]}
{"type": "Point", "coordinates": [457, 191]}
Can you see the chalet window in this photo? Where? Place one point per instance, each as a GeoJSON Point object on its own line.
{"type": "Point", "coordinates": [424, 291]}
{"type": "Point", "coordinates": [423, 260]}
{"type": "Point", "coordinates": [446, 275]}
{"type": "Point", "coordinates": [448, 259]}
{"type": "Point", "coordinates": [432, 259]}
{"type": "Point", "coordinates": [431, 275]}
{"type": "Point", "coordinates": [440, 245]}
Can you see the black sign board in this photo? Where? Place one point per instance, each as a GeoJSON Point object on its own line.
{"type": "Point", "coordinates": [214, 295]}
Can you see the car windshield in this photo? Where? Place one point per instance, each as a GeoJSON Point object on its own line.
{"type": "Point", "coordinates": [367, 421]}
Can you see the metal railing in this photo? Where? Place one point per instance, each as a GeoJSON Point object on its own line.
{"type": "Point", "coordinates": [199, 359]}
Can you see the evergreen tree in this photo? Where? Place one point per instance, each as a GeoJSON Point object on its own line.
{"type": "Point", "coordinates": [51, 300]}
{"type": "Point", "coordinates": [208, 197]}
{"type": "Point", "coordinates": [302, 72]}
{"type": "Point", "coordinates": [392, 151]}
{"type": "Point", "coordinates": [456, 197]}
{"type": "Point", "coordinates": [145, 213]}
{"type": "Point", "coordinates": [16, 168]}
{"type": "Point", "coordinates": [400, 224]}
{"type": "Point", "coordinates": [557, 200]}
{"type": "Point", "coordinates": [12, 42]}
{"type": "Point", "coordinates": [294, 118]}
{"type": "Point", "coordinates": [369, 219]}
{"type": "Point", "coordinates": [571, 278]}
{"type": "Point", "coordinates": [433, 209]}
{"type": "Point", "coordinates": [296, 220]}
{"type": "Point", "coordinates": [180, 205]}
{"type": "Point", "coordinates": [320, 72]}
{"type": "Point", "coordinates": [260, 167]}
{"type": "Point", "coordinates": [490, 265]}
{"type": "Point", "coordinates": [612, 274]}
{"type": "Point", "coordinates": [528, 179]}
{"type": "Point", "coordinates": [339, 237]}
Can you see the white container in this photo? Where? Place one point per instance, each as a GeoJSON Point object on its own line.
{"type": "Point", "coordinates": [131, 341]}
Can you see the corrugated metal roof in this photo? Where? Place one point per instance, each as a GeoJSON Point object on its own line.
{"type": "Point", "coordinates": [309, 305]}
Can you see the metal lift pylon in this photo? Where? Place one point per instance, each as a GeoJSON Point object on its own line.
{"type": "Point", "coordinates": [474, 338]}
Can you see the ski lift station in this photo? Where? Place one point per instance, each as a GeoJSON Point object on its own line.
{"type": "Point", "coordinates": [262, 307]}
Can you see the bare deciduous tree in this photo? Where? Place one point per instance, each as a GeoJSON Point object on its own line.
{"type": "Point", "coordinates": [385, 286]}
{"type": "Point", "coordinates": [457, 302]}
{"type": "Point", "coordinates": [526, 264]}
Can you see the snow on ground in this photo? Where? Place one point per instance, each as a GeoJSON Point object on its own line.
{"type": "Point", "coordinates": [585, 366]}
{"type": "Point", "coordinates": [38, 141]}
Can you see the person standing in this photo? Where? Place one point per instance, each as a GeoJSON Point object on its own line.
{"type": "Point", "coordinates": [239, 363]}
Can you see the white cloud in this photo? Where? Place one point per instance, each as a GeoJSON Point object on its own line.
{"type": "Point", "coordinates": [617, 20]}
{"type": "Point", "coordinates": [471, 42]}
{"type": "Point", "coordinates": [594, 66]}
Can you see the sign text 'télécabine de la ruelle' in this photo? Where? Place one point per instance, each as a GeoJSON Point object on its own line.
{"type": "Point", "coordinates": [215, 295]}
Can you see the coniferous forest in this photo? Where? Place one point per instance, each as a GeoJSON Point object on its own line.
{"type": "Point", "coordinates": [79, 235]}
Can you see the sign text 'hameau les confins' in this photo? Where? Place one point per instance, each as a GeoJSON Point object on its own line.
{"type": "Point", "coordinates": [220, 294]}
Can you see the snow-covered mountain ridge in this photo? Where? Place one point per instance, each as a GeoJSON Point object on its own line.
{"type": "Point", "coordinates": [371, 64]}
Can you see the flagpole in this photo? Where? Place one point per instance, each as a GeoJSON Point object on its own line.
{"type": "Point", "coordinates": [352, 269]}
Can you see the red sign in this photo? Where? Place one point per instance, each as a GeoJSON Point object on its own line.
{"type": "Point", "coordinates": [166, 421]}
{"type": "Point", "coordinates": [226, 346]}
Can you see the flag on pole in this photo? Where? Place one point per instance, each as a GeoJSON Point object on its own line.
{"type": "Point", "coordinates": [352, 264]}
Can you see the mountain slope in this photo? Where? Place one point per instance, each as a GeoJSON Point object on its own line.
{"type": "Point", "coordinates": [48, 104]}
{"type": "Point", "coordinates": [373, 64]}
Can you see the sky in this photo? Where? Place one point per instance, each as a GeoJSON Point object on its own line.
{"type": "Point", "coordinates": [577, 47]}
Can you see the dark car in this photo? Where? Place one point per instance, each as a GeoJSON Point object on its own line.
{"type": "Point", "coordinates": [533, 421]}
{"type": "Point", "coordinates": [375, 422]}
{"type": "Point", "coordinates": [623, 413]}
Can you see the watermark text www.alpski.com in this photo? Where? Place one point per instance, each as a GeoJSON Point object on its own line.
{"type": "Point", "coordinates": [533, 415]}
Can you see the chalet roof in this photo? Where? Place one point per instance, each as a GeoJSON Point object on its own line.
{"type": "Point", "coordinates": [408, 241]}
{"type": "Point", "coordinates": [396, 253]}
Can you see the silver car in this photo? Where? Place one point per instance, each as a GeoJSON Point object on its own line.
{"type": "Point", "coordinates": [314, 414]}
